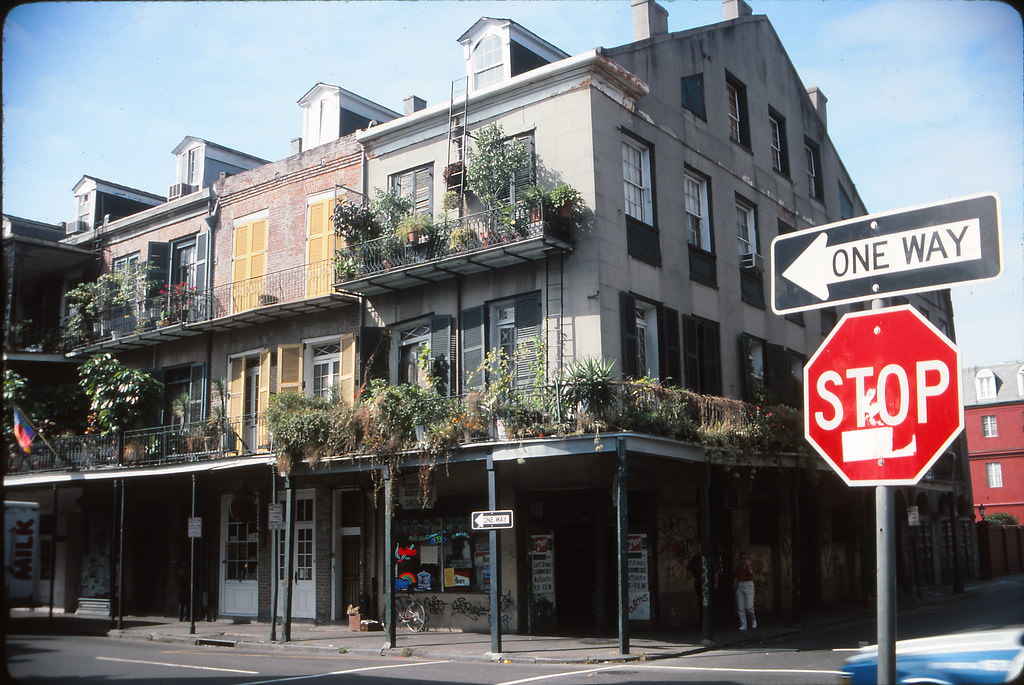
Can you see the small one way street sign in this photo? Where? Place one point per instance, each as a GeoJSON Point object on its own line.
{"type": "Point", "coordinates": [881, 255]}
{"type": "Point", "coordinates": [485, 520]}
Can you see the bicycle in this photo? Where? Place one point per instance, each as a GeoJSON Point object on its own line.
{"type": "Point", "coordinates": [413, 614]}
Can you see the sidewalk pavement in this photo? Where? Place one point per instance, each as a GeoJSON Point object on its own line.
{"type": "Point", "coordinates": [461, 646]}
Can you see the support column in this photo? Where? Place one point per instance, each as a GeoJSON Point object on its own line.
{"type": "Point", "coordinates": [289, 556]}
{"type": "Point", "coordinates": [389, 567]}
{"type": "Point", "coordinates": [53, 550]}
{"type": "Point", "coordinates": [192, 569]}
{"type": "Point", "coordinates": [622, 530]}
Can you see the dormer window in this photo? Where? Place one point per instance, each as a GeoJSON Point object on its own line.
{"type": "Point", "coordinates": [500, 49]}
{"type": "Point", "coordinates": [487, 63]}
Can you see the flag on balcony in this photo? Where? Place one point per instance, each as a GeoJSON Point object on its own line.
{"type": "Point", "coordinates": [24, 433]}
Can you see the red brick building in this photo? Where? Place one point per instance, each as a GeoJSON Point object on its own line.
{"type": "Point", "coordinates": [994, 415]}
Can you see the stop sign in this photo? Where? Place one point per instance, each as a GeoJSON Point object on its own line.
{"type": "Point", "coordinates": [882, 397]}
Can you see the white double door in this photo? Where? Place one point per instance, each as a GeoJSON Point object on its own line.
{"type": "Point", "coordinates": [303, 557]}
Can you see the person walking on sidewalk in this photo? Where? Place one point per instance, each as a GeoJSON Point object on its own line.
{"type": "Point", "coordinates": [745, 592]}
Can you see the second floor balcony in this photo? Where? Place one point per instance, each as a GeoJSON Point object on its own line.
{"type": "Point", "coordinates": [469, 244]}
{"type": "Point", "coordinates": [180, 310]}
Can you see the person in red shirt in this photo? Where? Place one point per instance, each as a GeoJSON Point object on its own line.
{"type": "Point", "coordinates": [745, 571]}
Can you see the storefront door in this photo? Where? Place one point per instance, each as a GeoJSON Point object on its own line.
{"type": "Point", "coordinates": [303, 560]}
{"type": "Point", "coordinates": [239, 555]}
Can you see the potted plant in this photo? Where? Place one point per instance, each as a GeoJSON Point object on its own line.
{"type": "Point", "coordinates": [355, 223]}
{"type": "Point", "coordinates": [461, 238]}
{"type": "Point", "coordinates": [414, 228]}
{"type": "Point", "coordinates": [453, 175]}
{"type": "Point", "coordinates": [565, 200]}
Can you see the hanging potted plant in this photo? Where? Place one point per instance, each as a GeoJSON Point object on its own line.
{"type": "Point", "coordinates": [453, 175]}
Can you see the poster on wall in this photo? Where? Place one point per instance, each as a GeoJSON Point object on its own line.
{"type": "Point", "coordinates": [542, 585]}
{"type": "Point", "coordinates": [639, 587]}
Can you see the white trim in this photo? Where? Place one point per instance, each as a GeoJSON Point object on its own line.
{"type": "Point", "coordinates": [250, 218]}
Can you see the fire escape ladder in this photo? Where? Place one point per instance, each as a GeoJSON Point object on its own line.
{"type": "Point", "coordinates": [458, 137]}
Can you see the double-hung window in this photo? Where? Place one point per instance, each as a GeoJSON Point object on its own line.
{"type": "Point", "coordinates": [815, 187]}
{"type": "Point", "coordinates": [739, 127]}
{"type": "Point", "coordinates": [994, 474]}
{"type": "Point", "coordinates": [695, 196]}
{"type": "Point", "coordinates": [636, 174]}
{"type": "Point", "coordinates": [746, 228]}
{"type": "Point", "coordinates": [779, 153]}
{"type": "Point", "coordinates": [989, 426]}
{"type": "Point", "coordinates": [326, 362]}
{"type": "Point", "coordinates": [650, 339]}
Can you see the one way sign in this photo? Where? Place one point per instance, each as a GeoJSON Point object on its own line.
{"type": "Point", "coordinates": [881, 255]}
{"type": "Point", "coordinates": [484, 520]}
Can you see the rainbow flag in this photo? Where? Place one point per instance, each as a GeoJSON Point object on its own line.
{"type": "Point", "coordinates": [23, 431]}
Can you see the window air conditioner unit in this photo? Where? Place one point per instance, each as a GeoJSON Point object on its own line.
{"type": "Point", "coordinates": [76, 226]}
{"type": "Point", "coordinates": [752, 260]}
{"type": "Point", "coordinates": [179, 189]}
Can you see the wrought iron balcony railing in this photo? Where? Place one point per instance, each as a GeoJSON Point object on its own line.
{"type": "Point", "coordinates": [185, 305]}
{"type": "Point", "coordinates": [450, 238]}
{"type": "Point", "coordinates": [162, 445]}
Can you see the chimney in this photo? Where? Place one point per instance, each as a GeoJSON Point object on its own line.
{"type": "Point", "coordinates": [649, 19]}
{"type": "Point", "coordinates": [734, 9]}
{"type": "Point", "coordinates": [296, 145]}
{"type": "Point", "coordinates": [414, 104]}
{"type": "Point", "coordinates": [818, 99]}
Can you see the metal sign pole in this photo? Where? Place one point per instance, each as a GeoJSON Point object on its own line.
{"type": "Point", "coordinates": [492, 502]}
{"type": "Point", "coordinates": [885, 547]}
{"type": "Point", "coordinates": [885, 581]}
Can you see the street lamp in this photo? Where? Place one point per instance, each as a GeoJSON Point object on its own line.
{"type": "Point", "coordinates": [981, 511]}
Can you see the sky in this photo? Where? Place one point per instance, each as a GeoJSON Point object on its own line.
{"type": "Point", "coordinates": [924, 96]}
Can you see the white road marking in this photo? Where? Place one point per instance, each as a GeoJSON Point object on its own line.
{"type": "Point", "coordinates": [652, 667]}
{"type": "Point", "coordinates": [162, 663]}
{"type": "Point", "coordinates": [558, 675]}
{"type": "Point", "coordinates": [345, 672]}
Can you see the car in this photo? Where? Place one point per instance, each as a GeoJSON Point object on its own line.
{"type": "Point", "coordinates": [977, 658]}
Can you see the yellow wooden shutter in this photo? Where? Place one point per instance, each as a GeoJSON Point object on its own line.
{"type": "Point", "coordinates": [241, 246]}
{"type": "Point", "coordinates": [347, 369]}
{"type": "Point", "coordinates": [263, 400]}
{"type": "Point", "coordinates": [258, 261]}
{"type": "Point", "coordinates": [289, 368]}
{"type": "Point", "coordinates": [236, 390]}
{"type": "Point", "coordinates": [320, 244]}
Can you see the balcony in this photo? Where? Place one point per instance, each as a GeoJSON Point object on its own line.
{"type": "Point", "coordinates": [148, 447]}
{"type": "Point", "coordinates": [181, 311]}
{"type": "Point", "coordinates": [470, 244]}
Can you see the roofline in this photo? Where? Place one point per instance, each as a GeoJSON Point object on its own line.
{"type": "Point", "coordinates": [589, 61]}
{"type": "Point", "coordinates": [180, 146]}
{"type": "Point", "coordinates": [119, 186]}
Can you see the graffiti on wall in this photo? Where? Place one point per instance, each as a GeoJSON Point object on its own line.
{"type": "Point", "coordinates": [466, 607]}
